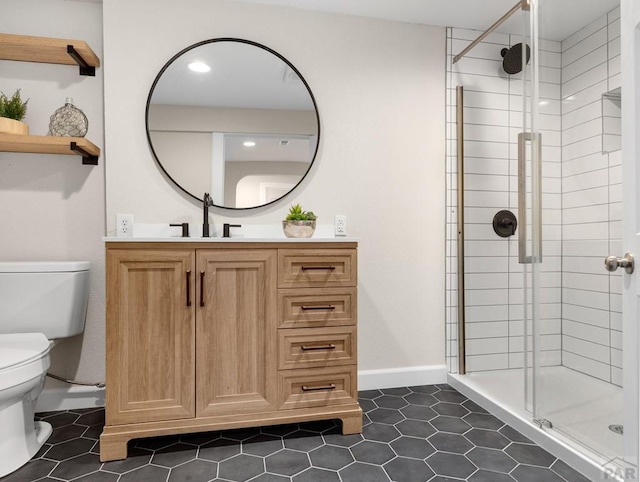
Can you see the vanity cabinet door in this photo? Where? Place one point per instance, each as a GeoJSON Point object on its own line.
{"type": "Point", "coordinates": [236, 331]}
{"type": "Point", "coordinates": [150, 335]}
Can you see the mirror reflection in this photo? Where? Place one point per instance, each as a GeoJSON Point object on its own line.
{"type": "Point", "coordinates": [233, 118]}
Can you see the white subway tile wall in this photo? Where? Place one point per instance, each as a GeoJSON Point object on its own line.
{"type": "Point", "coordinates": [580, 313]}
{"type": "Point", "coordinates": [591, 188]}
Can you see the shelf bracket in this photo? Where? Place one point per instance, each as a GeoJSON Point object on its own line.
{"type": "Point", "coordinates": [87, 158]}
{"type": "Point", "coordinates": [85, 68]}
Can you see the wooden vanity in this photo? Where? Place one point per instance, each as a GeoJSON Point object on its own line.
{"type": "Point", "coordinates": [209, 335]}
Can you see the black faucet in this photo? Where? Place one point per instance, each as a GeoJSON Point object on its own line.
{"type": "Point", "coordinates": [185, 228]}
{"type": "Point", "coordinates": [206, 202]}
{"type": "Point", "coordinates": [225, 229]}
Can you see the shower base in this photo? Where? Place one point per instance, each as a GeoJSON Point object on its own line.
{"type": "Point", "coordinates": [580, 407]}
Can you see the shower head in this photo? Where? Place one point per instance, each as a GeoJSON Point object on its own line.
{"type": "Point", "coordinates": [512, 58]}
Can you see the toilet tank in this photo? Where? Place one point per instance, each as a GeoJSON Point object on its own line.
{"type": "Point", "coordinates": [47, 297]}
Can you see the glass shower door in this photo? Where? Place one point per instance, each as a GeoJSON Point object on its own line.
{"type": "Point", "coordinates": [570, 193]}
{"type": "Point", "coordinates": [529, 187]}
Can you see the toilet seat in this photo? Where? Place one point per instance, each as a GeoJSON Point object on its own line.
{"type": "Point", "coordinates": [23, 356]}
{"type": "Point", "coordinates": [18, 349]}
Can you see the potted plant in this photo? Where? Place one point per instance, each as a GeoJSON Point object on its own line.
{"type": "Point", "coordinates": [299, 223]}
{"type": "Point", "coordinates": [12, 111]}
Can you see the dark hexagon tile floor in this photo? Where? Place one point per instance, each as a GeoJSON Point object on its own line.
{"type": "Point", "coordinates": [411, 434]}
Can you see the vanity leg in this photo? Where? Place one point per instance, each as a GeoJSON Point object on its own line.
{"type": "Point", "coordinates": [113, 447]}
{"type": "Point", "coordinates": [352, 424]}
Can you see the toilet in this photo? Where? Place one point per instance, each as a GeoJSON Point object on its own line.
{"type": "Point", "coordinates": [40, 302]}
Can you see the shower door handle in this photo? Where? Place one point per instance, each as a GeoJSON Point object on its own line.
{"type": "Point", "coordinates": [612, 263]}
{"type": "Point", "coordinates": [523, 138]}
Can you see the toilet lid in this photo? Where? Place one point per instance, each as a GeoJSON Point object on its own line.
{"type": "Point", "coordinates": [19, 348]}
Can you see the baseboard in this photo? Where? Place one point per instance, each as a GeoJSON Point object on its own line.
{"type": "Point", "coordinates": [402, 377]}
{"type": "Point", "coordinates": [58, 395]}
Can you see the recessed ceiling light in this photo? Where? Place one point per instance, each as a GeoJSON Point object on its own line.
{"type": "Point", "coordinates": [248, 144]}
{"type": "Point", "coordinates": [199, 67]}
{"type": "Point", "coordinates": [543, 102]}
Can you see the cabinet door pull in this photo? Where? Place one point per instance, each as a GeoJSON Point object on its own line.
{"type": "Point", "coordinates": [201, 288]}
{"type": "Point", "coordinates": [331, 268]}
{"type": "Point", "coordinates": [189, 288]}
{"type": "Point", "coordinates": [318, 347]}
{"type": "Point", "coordinates": [323, 307]}
{"type": "Point", "coordinates": [331, 386]}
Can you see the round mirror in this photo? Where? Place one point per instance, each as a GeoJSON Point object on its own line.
{"type": "Point", "coordinates": [234, 119]}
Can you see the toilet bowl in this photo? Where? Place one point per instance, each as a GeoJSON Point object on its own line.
{"type": "Point", "coordinates": [40, 302]}
{"type": "Point", "coordinates": [24, 360]}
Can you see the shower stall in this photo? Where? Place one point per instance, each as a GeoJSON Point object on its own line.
{"type": "Point", "coordinates": [534, 206]}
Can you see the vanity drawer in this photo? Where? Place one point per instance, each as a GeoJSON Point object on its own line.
{"type": "Point", "coordinates": [316, 347]}
{"type": "Point", "coordinates": [317, 387]}
{"type": "Point", "coordinates": [316, 267]}
{"type": "Point", "coordinates": [306, 308]}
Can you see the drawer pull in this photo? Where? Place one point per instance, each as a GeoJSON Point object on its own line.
{"type": "Point", "coordinates": [318, 347]}
{"type": "Point", "coordinates": [331, 268]}
{"type": "Point", "coordinates": [324, 307]}
{"type": "Point", "coordinates": [189, 288]}
{"type": "Point", "coordinates": [331, 386]}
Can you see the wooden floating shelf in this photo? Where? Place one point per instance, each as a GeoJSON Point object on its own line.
{"type": "Point", "coordinates": [49, 50]}
{"type": "Point", "coordinates": [51, 145]}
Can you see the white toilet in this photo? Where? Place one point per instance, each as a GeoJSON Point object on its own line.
{"type": "Point", "coordinates": [40, 302]}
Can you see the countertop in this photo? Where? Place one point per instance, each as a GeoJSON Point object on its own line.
{"type": "Point", "coordinates": [178, 239]}
{"type": "Point", "coordinates": [248, 233]}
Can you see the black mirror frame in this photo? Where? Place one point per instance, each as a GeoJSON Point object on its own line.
{"type": "Point", "coordinates": [255, 44]}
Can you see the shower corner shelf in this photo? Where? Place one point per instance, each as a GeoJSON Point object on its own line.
{"type": "Point", "coordinates": [51, 145]}
{"type": "Point", "coordinates": [49, 51]}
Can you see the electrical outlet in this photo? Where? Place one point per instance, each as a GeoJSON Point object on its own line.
{"type": "Point", "coordinates": [124, 225]}
{"type": "Point", "coordinates": [340, 225]}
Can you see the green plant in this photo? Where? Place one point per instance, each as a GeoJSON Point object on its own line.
{"type": "Point", "coordinates": [13, 108]}
{"type": "Point", "coordinates": [297, 214]}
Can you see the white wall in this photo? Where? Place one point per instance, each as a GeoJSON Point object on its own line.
{"type": "Point", "coordinates": [52, 206]}
{"type": "Point", "coordinates": [380, 90]}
